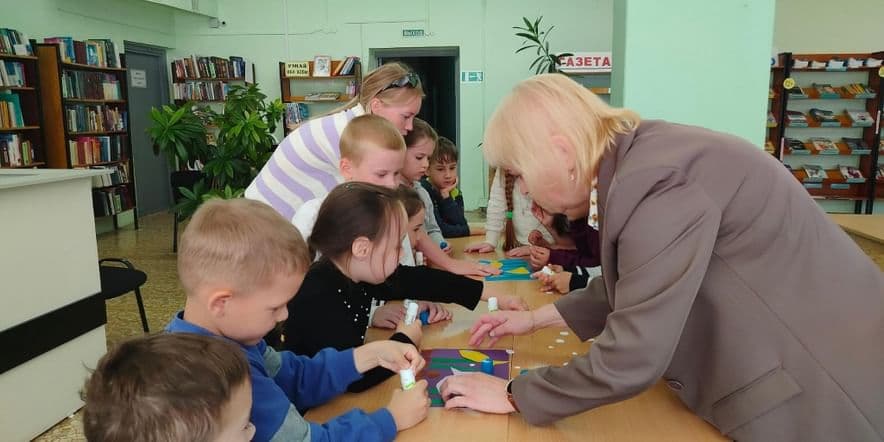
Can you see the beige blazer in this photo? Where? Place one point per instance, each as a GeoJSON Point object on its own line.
{"type": "Point", "coordinates": [721, 275]}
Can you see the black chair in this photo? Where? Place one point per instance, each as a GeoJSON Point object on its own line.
{"type": "Point", "coordinates": [186, 179]}
{"type": "Point", "coordinates": [117, 281]}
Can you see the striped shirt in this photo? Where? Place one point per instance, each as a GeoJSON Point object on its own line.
{"type": "Point", "coordinates": [305, 165]}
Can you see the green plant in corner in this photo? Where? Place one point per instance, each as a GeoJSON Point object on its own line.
{"type": "Point", "coordinates": [244, 142]}
{"type": "Point", "coordinates": [536, 39]}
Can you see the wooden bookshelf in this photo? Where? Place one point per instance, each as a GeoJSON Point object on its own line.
{"type": "Point", "coordinates": [62, 154]}
{"type": "Point", "coordinates": [834, 187]}
{"type": "Point", "coordinates": [293, 90]}
{"type": "Point", "coordinates": [31, 113]}
{"type": "Point", "coordinates": [181, 81]}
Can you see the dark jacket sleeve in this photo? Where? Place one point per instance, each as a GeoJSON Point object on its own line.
{"type": "Point", "coordinates": [378, 374]}
{"type": "Point", "coordinates": [588, 252]}
{"type": "Point", "coordinates": [428, 284]}
{"type": "Point", "coordinates": [449, 213]}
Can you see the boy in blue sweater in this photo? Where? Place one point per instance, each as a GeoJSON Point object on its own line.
{"type": "Point", "coordinates": [441, 184]}
{"type": "Point", "coordinates": [239, 263]}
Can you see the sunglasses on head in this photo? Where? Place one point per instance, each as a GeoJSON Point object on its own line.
{"type": "Point", "coordinates": [410, 79]}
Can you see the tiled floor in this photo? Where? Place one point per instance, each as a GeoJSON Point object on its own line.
{"type": "Point", "coordinates": [150, 249]}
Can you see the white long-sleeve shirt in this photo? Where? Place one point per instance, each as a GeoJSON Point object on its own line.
{"type": "Point", "coordinates": [523, 220]}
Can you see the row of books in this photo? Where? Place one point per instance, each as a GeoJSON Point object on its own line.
{"type": "Point", "coordinates": [111, 201]}
{"type": "Point", "coordinates": [102, 149]}
{"type": "Point", "coordinates": [94, 52]}
{"type": "Point", "coordinates": [322, 96]}
{"type": "Point", "coordinates": [295, 113]}
{"type": "Point", "coordinates": [827, 91]}
{"type": "Point", "coordinates": [201, 91]}
{"type": "Point", "coordinates": [94, 118]}
{"type": "Point", "coordinates": [345, 67]}
{"type": "Point", "coordinates": [91, 85]}
{"type": "Point", "coordinates": [825, 146]}
{"type": "Point", "coordinates": [14, 42]}
{"type": "Point", "coordinates": [827, 118]}
{"type": "Point", "coordinates": [12, 73]}
{"type": "Point", "coordinates": [836, 64]}
{"type": "Point", "coordinates": [197, 67]}
{"type": "Point", "coordinates": [119, 174]}
{"type": "Point", "coordinates": [816, 174]}
{"type": "Point", "coordinates": [10, 110]}
{"type": "Point", "coordinates": [15, 151]}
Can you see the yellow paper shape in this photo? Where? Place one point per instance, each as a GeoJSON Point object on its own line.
{"type": "Point", "coordinates": [476, 356]}
{"type": "Point", "coordinates": [519, 271]}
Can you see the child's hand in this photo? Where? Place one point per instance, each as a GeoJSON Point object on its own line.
{"type": "Point", "coordinates": [415, 331]}
{"type": "Point", "coordinates": [536, 239]}
{"type": "Point", "coordinates": [388, 315]}
{"type": "Point", "coordinates": [518, 252]}
{"type": "Point", "coordinates": [409, 407]}
{"type": "Point", "coordinates": [469, 268]}
{"type": "Point", "coordinates": [508, 302]}
{"type": "Point", "coordinates": [481, 247]}
{"type": "Point", "coordinates": [447, 249]}
{"type": "Point", "coordinates": [391, 355]}
{"type": "Point", "coordinates": [539, 257]}
{"type": "Point", "coordinates": [560, 281]}
{"type": "Point", "coordinates": [437, 312]}
{"type": "Point", "coordinates": [446, 191]}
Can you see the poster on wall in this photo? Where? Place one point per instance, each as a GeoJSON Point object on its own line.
{"type": "Point", "coordinates": [586, 62]}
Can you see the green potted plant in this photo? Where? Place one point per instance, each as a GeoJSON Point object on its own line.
{"type": "Point", "coordinates": [230, 161]}
{"type": "Point", "coordinates": [536, 39]}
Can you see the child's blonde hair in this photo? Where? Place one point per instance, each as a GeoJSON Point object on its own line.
{"type": "Point", "coordinates": [420, 129]}
{"type": "Point", "coordinates": [521, 128]}
{"type": "Point", "coordinates": [366, 130]}
{"type": "Point", "coordinates": [239, 243]}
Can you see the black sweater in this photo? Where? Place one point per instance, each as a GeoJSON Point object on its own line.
{"type": "Point", "coordinates": [330, 310]}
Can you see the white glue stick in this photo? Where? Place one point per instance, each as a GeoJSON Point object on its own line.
{"type": "Point", "coordinates": [548, 271]}
{"type": "Point", "coordinates": [406, 377]}
{"type": "Point", "coordinates": [419, 258]}
{"type": "Point", "coordinates": [492, 304]}
{"type": "Point", "coordinates": [411, 313]}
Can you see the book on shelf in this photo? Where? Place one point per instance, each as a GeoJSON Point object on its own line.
{"type": "Point", "coordinates": [797, 92]}
{"type": "Point", "coordinates": [826, 90]}
{"type": "Point", "coordinates": [94, 118]}
{"type": "Point", "coordinates": [118, 174]}
{"type": "Point", "coordinates": [771, 120]}
{"type": "Point", "coordinates": [825, 117]}
{"type": "Point", "coordinates": [857, 146]}
{"type": "Point", "coordinates": [200, 67]}
{"type": "Point", "coordinates": [815, 173]}
{"type": "Point", "coordinates": [860, 118]}
{"type": "Point", "coordinates": [345, 67]}
{"type": "Point", "coordinates": [859, 90]}
{"type": "Point", "coordinates": [111, 201]}
{"type": "Point", "coordinates": [201, 91]}
{"type": "Point", "coordinates": [796, 146]}
{"type": "Point", "coordinates": [295, 114]}
{"type": "Point", "coordinates": [12, 73]}
{"type": "Point", "coordinates": [796, 119]}
{"type": "Point", "coordinates": [14, 42]}
{"type": "Point", "coordinates": [880, 175]}
{"type": "Point", "coordinates": [824, 146]}
{"type": "Point", "coordinates": [322, 96]}
{"type": "Point", "coordinates": [10, 110]}
{"type": "Point", "coordinates": [851, 174]}
{"type": "Point", "coordinates": [90, 85]}
{"type": "Point", "coordinates": [99, 149]}
{"type": "Point", "coordinates": [15, 151]}
{"type": "Point", "coordinates": [99, 52]}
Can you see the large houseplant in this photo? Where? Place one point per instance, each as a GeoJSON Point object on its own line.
{"type": "Point", "coordinates": [536, 39]}
{"type": "Point", "coordinates": [230, 161]}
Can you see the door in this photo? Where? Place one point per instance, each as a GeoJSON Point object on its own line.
{"type": "Point", "coordinates": [147, 66]}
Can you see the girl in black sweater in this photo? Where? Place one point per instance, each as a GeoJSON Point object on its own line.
{"type": "Point", "coordinates": [359, 232]}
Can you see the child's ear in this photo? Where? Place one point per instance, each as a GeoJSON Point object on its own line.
{"type": "Point", "coordinates": [346, 168]}
{"type": "Point", "coordinates": [361, 248]}
{"type": "Point", "coordinates": [218, 302]}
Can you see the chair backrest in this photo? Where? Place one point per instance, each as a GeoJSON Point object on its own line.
{"type": "Point", "coordinates": [183, 178]}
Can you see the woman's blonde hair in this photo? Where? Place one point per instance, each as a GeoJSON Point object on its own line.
{"type": "Point", "coordinates": [375, 85]}
{"type": "Point", "coordinates": [522, 126]}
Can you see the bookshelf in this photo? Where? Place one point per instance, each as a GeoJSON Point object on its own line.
{"type": "Point", "coordinates": [86, 124]}
{"type": "Point", "coordinates": [207, 79]}
{"type": "Point", "coordinates": [830, 101]}
{"type": "Point", "coordinates": [308, 95]}
{"type": "Point", "coordinates": [21, 132]}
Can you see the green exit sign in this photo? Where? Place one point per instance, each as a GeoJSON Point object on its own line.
{"type": "Point", "coordinates": [472, 76]}
{"type": "Point", "coordinates": [413, 33]}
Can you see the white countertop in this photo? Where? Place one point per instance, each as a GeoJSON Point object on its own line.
{"type": "Point", "coordinates": [12, 178]}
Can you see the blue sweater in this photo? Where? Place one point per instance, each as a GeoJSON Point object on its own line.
{"type": "Point", "coordinates": [283, 383]}
{"type": "Point", "coordinates": [448, 211]}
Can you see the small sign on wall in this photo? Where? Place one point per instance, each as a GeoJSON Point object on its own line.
{"type": "Point", "coordinates": [411, 33]}
{"type": "Point", "coordinates": [583, 62]}
{"type": "Point", "coordinates": [472, 76]}
{"type": "Point", "coordinates": [138, 78]}
{"type": "Point", "coordinates": [297, 69]}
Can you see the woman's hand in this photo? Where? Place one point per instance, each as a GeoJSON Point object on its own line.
{"type": "Point", "coordinates": [499, 324]}
{"type": "Point", "coordinates": [518, 252]}
{"type": "Point", "coordinates": [481, 247]}
{"type": "Point", "coordinates": [478, 391]}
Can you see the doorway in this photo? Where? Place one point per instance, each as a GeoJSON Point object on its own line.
{"type": "Point", "coordinates": [152, 189]}
{"type": "Point", "coordinates": [437, 68]}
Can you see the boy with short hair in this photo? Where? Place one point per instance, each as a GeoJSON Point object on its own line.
{"type": "Point", "coordinates": [240, 263]}
{"type": "Point", "coordinates": [441, 184]}
{"type": "Point", "coordinates": [169, 387]}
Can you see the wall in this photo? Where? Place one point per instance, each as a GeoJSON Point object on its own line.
{"type": "Point", "coordinates": [281, 30]}
{"type": "Point", "coordinates": [826, 26]}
